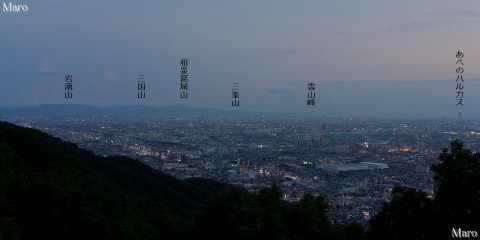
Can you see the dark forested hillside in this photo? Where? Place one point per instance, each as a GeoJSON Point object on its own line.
{"type": "Point", "coordinates": [50, 189]}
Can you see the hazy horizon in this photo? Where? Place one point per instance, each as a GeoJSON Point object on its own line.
{"type": "Point", "coordinates": [367, 59]}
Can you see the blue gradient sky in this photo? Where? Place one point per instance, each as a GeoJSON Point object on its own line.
{"type": "Point", "coordinates": [367, 58]}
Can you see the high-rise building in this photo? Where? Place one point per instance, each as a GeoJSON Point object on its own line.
{"type": "Point", "coordinates": [340, 201]}
{"type": "Point", "coordinates": [243, 165]}
{"type": "Point", "coordinates": [399, 142]}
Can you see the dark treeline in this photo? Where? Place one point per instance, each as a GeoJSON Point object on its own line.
{"type": "Point", "coordinates": [411, 215]}
{"type": "Point", "coordinates": [50, 189]}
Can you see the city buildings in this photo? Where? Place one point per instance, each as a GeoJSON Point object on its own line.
{"type": "Point", "coordinates": [353, 163]}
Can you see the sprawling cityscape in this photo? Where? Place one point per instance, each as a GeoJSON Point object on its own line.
{"type": "Point", "coordinates": [291, 120]}
{"type": "Point", "coordinates": [353, 162]}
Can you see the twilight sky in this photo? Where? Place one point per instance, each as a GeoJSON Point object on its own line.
{"type": "Point", "coordinates": [368, 58]}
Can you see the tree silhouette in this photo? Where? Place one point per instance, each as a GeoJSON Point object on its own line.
{"type": "Point", "coordinates": [457, 196]}
{"type": "Point", "coordinates": [456, 203]}
{"type": "Point", "coordinates": [407, 216]}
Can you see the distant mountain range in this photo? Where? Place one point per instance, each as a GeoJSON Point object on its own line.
{"type": "Point", "coordinates": [77, 109]}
